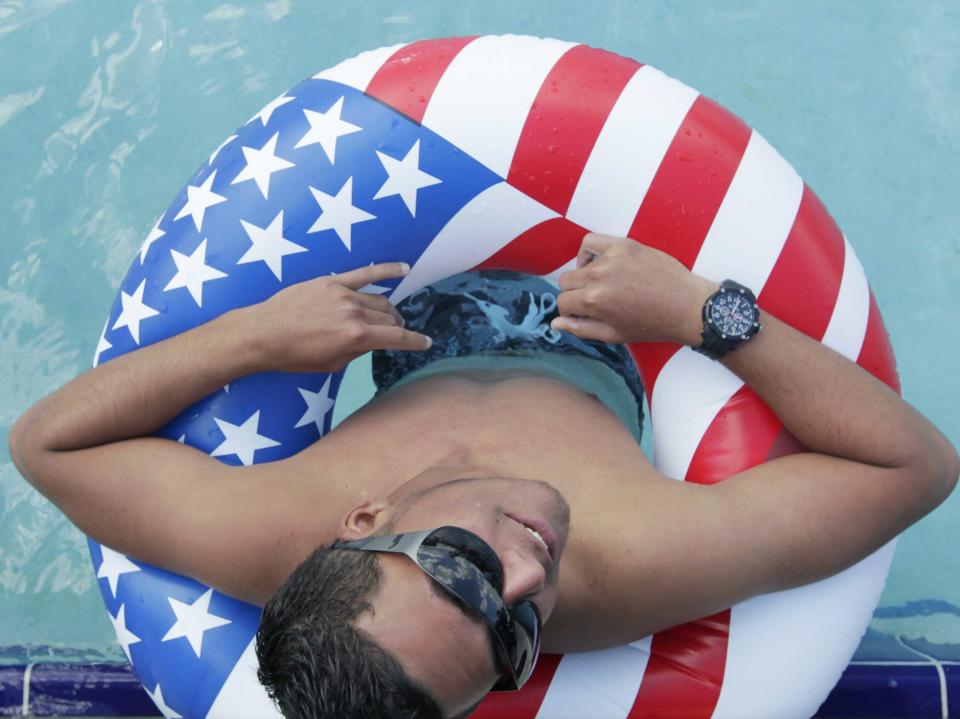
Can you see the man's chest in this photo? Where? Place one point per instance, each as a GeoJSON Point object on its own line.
{"type": "Point", "coordinates": [516, 426]}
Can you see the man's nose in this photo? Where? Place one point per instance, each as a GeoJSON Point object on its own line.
{"type": "Point", "coordinates": [523, 577]}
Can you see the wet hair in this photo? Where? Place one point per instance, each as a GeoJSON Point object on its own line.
{"type": "Point", "coordinates": [315, 664]}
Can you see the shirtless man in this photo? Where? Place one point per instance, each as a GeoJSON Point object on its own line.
{"type": "Point", "coordinates": [356, 633]}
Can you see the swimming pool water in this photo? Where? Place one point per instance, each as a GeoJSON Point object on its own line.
{"type": "Point", "coordinates": [106, 109]}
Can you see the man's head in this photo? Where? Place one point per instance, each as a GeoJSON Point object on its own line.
{"type": "Point", "coordinates": [364, 634]}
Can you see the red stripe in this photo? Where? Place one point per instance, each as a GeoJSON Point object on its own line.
{"type": "Point", "coordinates": [650, 358]}
{"type": "Point", "coordinates": [564, 122]}
{"type": "Point", "coordinates": [876, 355]}
{"type": "Point", "coordinates": [407, 80]}
{"type": "Point", "coordinates": [739, 437]}
{"type": "Point", "coordinates": [692, 181]}
{"type": "Point", "coordinates": [685, 671]}
{"type": "Point", "coordinates": [523, 704]}
{"type": "Point", "coordinates": [808, 272]}
{"type": "Point", "coordinates": [540, 250]}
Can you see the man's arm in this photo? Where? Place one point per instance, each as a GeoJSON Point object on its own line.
{"type": "Point", "coordinates": [84, 447]}
{"type": "Point", "coordinates": [875, 465]}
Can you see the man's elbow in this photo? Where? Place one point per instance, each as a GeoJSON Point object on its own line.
{"type": "Point", "coordinates": [23, 448]}
{"type": "Point", "coordinates": [951, 470]}
{"type": "Point", "coordinates": [937, 469]}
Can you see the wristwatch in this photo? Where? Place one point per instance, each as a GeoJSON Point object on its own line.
{"type": "Point", "coordinates": [731, 317]}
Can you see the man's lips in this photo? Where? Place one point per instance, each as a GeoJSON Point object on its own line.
{"type": "Point", "coordinates": [541, 527]}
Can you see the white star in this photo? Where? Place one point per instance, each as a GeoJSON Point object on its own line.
{"type": "Point", "coordinates": [124, 635]}
{"type": "Point", "coordinates": [318, 404]}
{"type": "Point", "coordinates": [338, 213]}
{"type": "Point", "coordinates": [134, 311]}
{"type": "Point", "coordinates": [243, 439]}
{"type": "Point", "coordinates": [213, 155]}
{"type": "Point", "coordinates": [268, 109]}
{"type": "Point", "coordinates": [103, 345]}
{"type": "Point", "coordinates": [405, 177]}
{"type": "Point", "coordinates": [157, 696]}
{"type": "Point", "coordinates": [192, 272]}
{"type": "Point", "coordinates": [326, 128]}
{"type": "Point", "coordinates": [261, 164]}
{"type": "Point", "coordinates": [269, 245]}
{"type": "Point", "coordinates": [113, 565]}
{"type": "Point", "coordinates": [155, 234]}
{"type": "Point", "coordinates": [199, 199]}
{"type": "Point", "coordinates": [193, 620]}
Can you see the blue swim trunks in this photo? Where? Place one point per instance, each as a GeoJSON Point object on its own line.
{"type": "Point", "coordinates": [500, 319]}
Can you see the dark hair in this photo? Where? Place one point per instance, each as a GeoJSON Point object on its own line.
{"type": "Point", "coordinates": [314, 663]}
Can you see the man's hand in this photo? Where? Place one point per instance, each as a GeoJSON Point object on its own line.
{"type": "Point", "coordinates": [623, 291]}
{"type": "Point", "coordinates": [322, 324]}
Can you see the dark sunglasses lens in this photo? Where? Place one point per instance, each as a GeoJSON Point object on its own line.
{"type": "Point", "coordinates": [523, 645]}
{"type": "Point", "coordinates": [461, 561]}
{"type": "Point", "coordinates": [470, 547]}
{"type": "Point", "coordinates": [528, 625]}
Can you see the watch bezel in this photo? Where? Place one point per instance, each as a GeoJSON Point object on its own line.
{"type": "Point", "coordinates": [715, 327]}
{"type": "Point", "coordinates": [715, 342]}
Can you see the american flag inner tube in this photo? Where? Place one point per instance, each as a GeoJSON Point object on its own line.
{"type": "Point", "coordinates": [500, 152]}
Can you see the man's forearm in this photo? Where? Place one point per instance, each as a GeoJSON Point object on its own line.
{"type": "Point", "coordinates": [833, 406]}
{"type": "Point", "coordinates": [137, 393]}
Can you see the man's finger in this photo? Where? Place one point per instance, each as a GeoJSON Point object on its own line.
{"type": "Point", "coordinates": [593, 246]}
{"type": "Point", "coordinates": [572, 280]}
{"type": "Point", "coordinates": [397, 338]}
{"type": "Point", "coordinates": [573, 302]}
{"type": "Point", "coordinates": [377, 302]}
{"type": "Point", "coordinates": [363, 276]}
{"type": "Point", "coordinates": [587, 328]}
{"type": "Point", "coordinates": [375, 317]}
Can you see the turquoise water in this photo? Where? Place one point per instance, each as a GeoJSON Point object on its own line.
{"type": "Point", "coordinates": [106, 108]}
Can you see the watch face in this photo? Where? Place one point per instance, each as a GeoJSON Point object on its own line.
{"type": "Point", "coordinates": [732, 313]}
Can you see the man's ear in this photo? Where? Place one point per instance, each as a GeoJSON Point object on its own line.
{"type": "Point", "coordinates": [365, 519]}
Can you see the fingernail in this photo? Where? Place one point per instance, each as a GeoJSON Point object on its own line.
{"type": "Point", "coordinates": [404, 268]}
{"type": "Point", "coordinates": [429, 342]}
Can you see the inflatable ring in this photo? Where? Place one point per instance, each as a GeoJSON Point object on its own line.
{"type": "Point", "coordinates": [501, 152]}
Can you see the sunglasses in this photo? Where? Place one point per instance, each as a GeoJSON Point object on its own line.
{"type": "Point", "coordinates": [468, 568]}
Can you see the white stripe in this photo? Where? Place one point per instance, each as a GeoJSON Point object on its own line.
{"type": "Point", "coordinates": [483, 98]}
{"type": "Point", "coordinates": [26, 689]}
{"type": "Point", "coordinates": [824, 620]}
{"type": "Point", "coordinates": [359, 71]}
{"type": "Point", "coordinates": [848, 324]}
{"type": "Point", "coordinates": [754, 219]}
{"type": "Point", "coordinates": [242, 696]}
{"type": "Point", "coordinates": [629, 150]}
{"type": "Point", "coordinates": [483, 226]}
{"type": "Point", "coordinates": [941, 675]}
{"type": "Point", "coordinates": [943, 662]}
{"type": "Point", "coordinates": [599, 685]}
{"type": "Point", "coordinates": [688, 393]}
